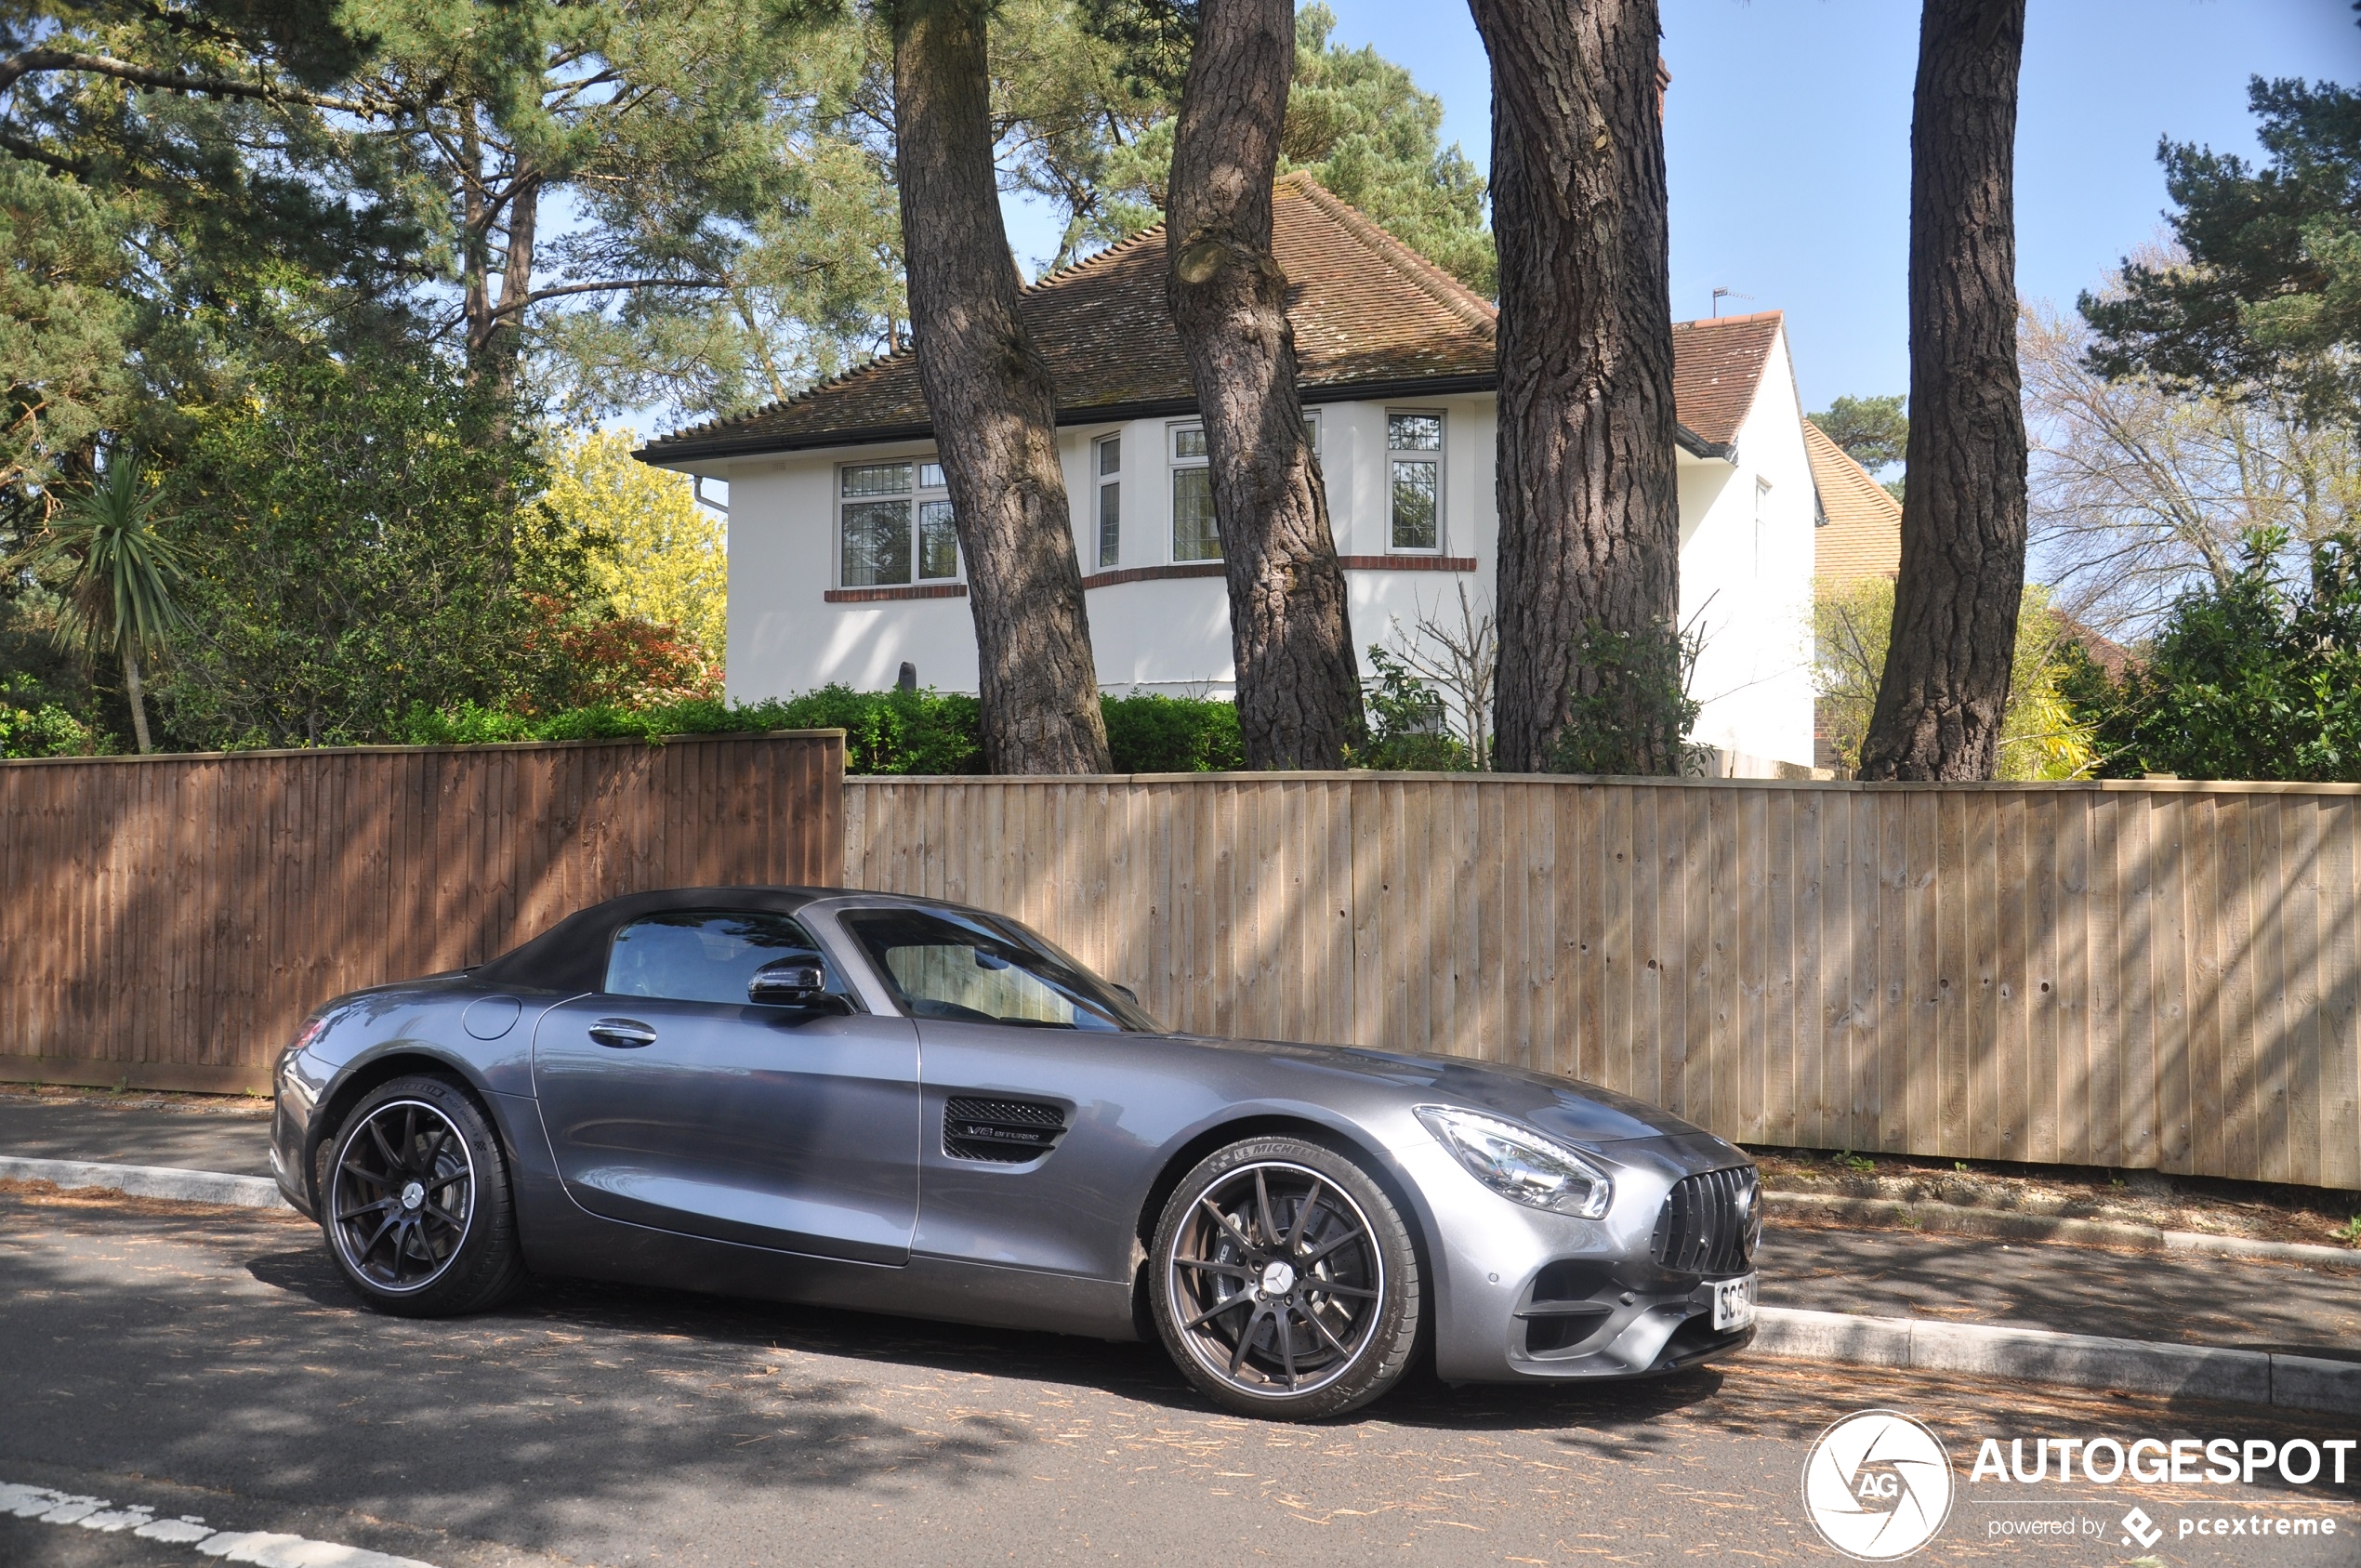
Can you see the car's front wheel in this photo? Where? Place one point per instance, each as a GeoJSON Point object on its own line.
{"type": "Point", "coordinates": [1287, 1284]}
{"type": "Point", "coordinates": [414, 1202]}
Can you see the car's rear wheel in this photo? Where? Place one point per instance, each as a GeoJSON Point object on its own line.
{"type": "Point", "coordinates": [414, 1202]}
{"type": "Point", "coordinates": [1287, 1283]}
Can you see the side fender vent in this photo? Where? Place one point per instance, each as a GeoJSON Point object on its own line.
{"type": "Point", "coordinates": [1003, 1131]}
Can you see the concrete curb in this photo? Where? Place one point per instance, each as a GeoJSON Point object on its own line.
{"type": "Point", "coordinates": [1958, 1221]}
{"type": "Point", "coordinates": [149, 1182]}
{"type": "Point", "coordinates": [2078, 1361]}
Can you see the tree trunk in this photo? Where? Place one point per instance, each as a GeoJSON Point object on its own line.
{"type": "Point", "coordinates": [992, 404]}
{"type": "Point", "coordinates": [1299, 683]}
{"type": "Point", "coordinates": [1962, 574]}
{"type": "Point", "coordinates": [133, 689]}
{"type": "Point", "coordinates": [1590, 509]}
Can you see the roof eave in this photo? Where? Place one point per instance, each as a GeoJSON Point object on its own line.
{"type": "Point", "coordinates": [662, 452]}
{"type": "Point", "coordinates": [1696, 445]}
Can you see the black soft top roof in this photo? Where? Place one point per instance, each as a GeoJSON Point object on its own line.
{"type": "Point", "coordinates": [571, 957]}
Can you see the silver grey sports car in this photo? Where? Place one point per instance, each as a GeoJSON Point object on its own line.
{"type": "Point", "coordinates": [907, 1106]}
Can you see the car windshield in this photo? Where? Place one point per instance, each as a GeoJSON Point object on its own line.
{"type": "Point", "coordinates": [982, 970]}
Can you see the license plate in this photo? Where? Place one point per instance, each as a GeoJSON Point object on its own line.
{"type": "Point", "coordinates": [1732, 1304]}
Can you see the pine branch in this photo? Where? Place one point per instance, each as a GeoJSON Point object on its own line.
{"type": "Point", "coordinates": [17, 66]}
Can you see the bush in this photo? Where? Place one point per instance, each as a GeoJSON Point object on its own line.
{"type": "Point", "coordinates": [1153, 734]}
{"type": "Point", "coordinates": [30, 725]}
{"type": "Point", "coordinates": [1629, 711]}
{"type": "Point", "coordinates": [1407, 729]}
{"type": "Point", "coordinates": [2253, 679]}
{"type": "Point", "coordinates": [885, 732]}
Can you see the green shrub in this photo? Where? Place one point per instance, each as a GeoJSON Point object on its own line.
{"type": "Point", "coordinates": [31, 725]}
{"type": "Point", "coordinates": [1153, 734]}
{"type": "Point", "coordinates": [2256, 678]}
{"type": "Point", "coordinates": [1408, 729]}
{"type": "Point", "coordinates": [897, 731]}
{"type": "Point", "coordinates": [885, 732]}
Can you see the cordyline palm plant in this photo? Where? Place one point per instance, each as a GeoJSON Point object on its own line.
{"type": "Point", "coordinates": [118, 599]}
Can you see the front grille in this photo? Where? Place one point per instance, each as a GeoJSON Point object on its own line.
{"type": "Point", "coordinates": [1704, 1226]}
{"type": "Point", "coordinates": [1006, 1131]}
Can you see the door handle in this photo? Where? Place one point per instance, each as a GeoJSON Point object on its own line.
{"type": "Point", "coordinates": [624, 1033]}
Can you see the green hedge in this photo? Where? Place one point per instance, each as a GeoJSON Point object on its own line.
{"type": "Point", "coordinates": [885, 732]}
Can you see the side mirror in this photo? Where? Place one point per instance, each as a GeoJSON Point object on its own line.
{"type": "Point", "coordinates": [1127, 994]}
{"type": "Point", "coordinates": [797, 980]}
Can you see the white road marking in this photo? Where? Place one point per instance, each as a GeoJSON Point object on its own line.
{"type": "Point", "coordinates": [264, 1549]}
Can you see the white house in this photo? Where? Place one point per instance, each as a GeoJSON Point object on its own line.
{"type": "Point", "coordinates": [843, 565]}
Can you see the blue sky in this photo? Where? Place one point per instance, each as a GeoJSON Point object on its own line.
{"type": "Point", "coordinates": [1787, 133]}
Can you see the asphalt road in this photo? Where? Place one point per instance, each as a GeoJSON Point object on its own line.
{"type": "Point", "coordinates": [209, 1362]}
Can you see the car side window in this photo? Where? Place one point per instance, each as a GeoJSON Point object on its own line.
{"type": "Point", "coordinates": [700, 955]}
{"type": "Point", "coordinates": [943, 968]}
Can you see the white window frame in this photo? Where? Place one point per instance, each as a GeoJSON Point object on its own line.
{"type": "Point", "coordinates": [926, 486]}
{"type": "Point", "coordinates": [1441, 474]}
{"type": "Point", "coordinates": [1174, 465]}
{"type": "Point", "coordinates": [1102, 479]}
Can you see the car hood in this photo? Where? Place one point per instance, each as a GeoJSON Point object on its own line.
{"type": "Point", "coordinates": [1579, 1113]}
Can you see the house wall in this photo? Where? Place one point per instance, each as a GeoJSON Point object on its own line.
{"type": "Point", "coordinates": [1745, 577]}
{"type": "Point", "coordinates": [1163, 634]}
{"type": "Point", "coordinates": [1171, 635]}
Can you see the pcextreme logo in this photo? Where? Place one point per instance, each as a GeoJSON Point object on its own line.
{"type": "Point", "coordinates": [1877, 1485]}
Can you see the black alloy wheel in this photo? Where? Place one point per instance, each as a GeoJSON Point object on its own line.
{"type": "Point", "coordinates": [1291, 1286]}
{"type": "Point", "coordinates": [414, 1202]}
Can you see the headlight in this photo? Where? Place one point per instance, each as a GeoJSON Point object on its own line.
{"type": "Point", "coordinates": [1520, 1164]}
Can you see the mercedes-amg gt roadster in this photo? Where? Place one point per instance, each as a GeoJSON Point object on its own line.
{"type": "Point", "coordinates": [902, 1106]}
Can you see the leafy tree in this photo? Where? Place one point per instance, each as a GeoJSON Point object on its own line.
{"type": "Point", "coordinates": [32, 725]}
{"type": "Point", "coordinates": [1359, 122]}
{"type": "Point", "coordinates": [63, 324]}
{"type": "Point", "coordinates": [2042, 735]}
{"type": "Point", "coordinates": [664, 201]}
{"type": "Point", "coordinates": [1356, 120]}
{"type": "Point", "coordinates": [1079, 99]}
{"type": "Point", "coordinates": [116, 599]}
{"type": "Point", "coordinates": [363, 555]}
{"type": "Point", "coordinates": [1875, 432]}
{"type": "Point", "coordinates": [2259, 678]}
{"type": "Point", "coordinates": [2139, 491]}
{"type": "Point", "coordinates": [653, 552]}
{"type": "Point", "coordinates": [2265, 291]}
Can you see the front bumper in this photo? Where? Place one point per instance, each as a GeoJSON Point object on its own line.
{"type": "Point", "coordinates": [1521, 1295]}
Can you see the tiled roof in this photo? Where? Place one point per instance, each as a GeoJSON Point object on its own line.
{"type": "Point", "coordinates": [1863, 537]}
{"type": "Point", "coordinates": [1716, 366]}
{"type": "Point", "coordinates": [1369, 313]}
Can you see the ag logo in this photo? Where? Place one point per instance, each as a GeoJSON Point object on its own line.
{"type": "Point", "coordinates": [1877, 1485]}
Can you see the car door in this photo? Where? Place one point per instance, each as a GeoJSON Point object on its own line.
{"type": "Point", "coordinates": [1043, 1113]}
{"type": "Point", "coordinates": [672, 1102]}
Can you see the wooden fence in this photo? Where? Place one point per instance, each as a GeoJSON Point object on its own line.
{"type": "Point", "coordinates": [2131, 975]}
{"type": "Point", "coordinates": [170, 920]}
